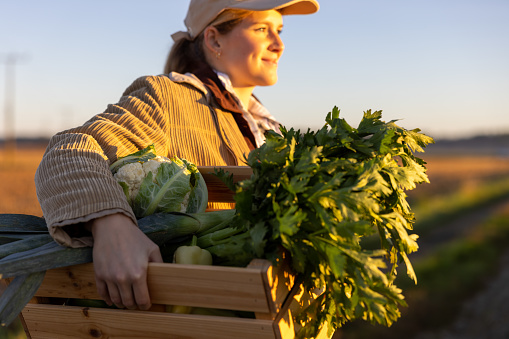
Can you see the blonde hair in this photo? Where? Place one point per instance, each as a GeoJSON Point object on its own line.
{"type": "Point", "coordinates": [186, 54]}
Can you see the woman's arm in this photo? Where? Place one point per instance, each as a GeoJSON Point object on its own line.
{"type": "Point", "coordinates": [73, 181]}
{"type": "Point", "coordinates": [84, 205]}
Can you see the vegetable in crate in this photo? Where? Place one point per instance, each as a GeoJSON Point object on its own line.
{"type": "Point", "coordinates": [318, 195]}
{"type": "Point", "coordinates": [189, 255]}
{"type": "Point", "coordinates": [154, 183]}
{"type": "Point", "coordinates": [192, 255]}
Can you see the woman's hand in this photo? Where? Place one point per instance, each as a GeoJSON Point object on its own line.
{"type": "Point", "coordinates": [121, 256]}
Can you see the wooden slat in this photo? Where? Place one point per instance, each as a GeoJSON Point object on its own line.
{"type": "Point", "coordinates": [222, 287]}
{"type": "Point", "coordinates": [298, 299]}
{"type": "Point", "coordinates": [278, 281]}
{"type": "Point", "coordinates": [208, 286]}
{"type": "Point", "coordinates": [66, 322]}
{"type": "Point", "coordinates": [69, 282]}
{"type": "Point", "coordinates": [218, 192]}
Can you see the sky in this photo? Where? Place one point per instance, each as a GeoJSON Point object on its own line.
{"type": "Point", "coordinates": [438, 65]}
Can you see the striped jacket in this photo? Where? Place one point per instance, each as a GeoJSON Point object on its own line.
{"type": "Point", "coordinates": [176, 112]}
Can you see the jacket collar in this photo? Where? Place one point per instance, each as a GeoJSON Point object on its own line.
{"type": "Point", "coordinates": [223, 97]}
{"type": "Point", "coordinates": [205, 79]}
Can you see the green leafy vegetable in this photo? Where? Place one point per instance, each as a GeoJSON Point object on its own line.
{"type": "Point", "coordinates": [155, 184]}
{"type": "Point", "coordinates": [318, 194]}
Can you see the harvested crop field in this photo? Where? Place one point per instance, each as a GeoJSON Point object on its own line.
{"type": "Point", "coordinates": [450, 173]}
{"type": "Point", "coordinates": [17, 170]}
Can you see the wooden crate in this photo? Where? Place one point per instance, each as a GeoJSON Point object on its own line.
{"type": "Point", "coordinates": [271, 293]}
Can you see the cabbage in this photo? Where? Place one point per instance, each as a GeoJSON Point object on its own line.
{"type": "Point", "coordinates": [154, 184]}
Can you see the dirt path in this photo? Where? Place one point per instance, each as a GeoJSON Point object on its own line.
{"type": "Point", "coordinates": [485, 315]}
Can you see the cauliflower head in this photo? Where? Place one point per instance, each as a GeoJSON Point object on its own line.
{"type": "Point", "coordinates": [155, 183]}
{"type": "Point", "coordinates": [132, 174]}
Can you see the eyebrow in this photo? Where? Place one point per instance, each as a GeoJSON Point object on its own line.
{"type": "Point", "coordinates": [268, 23]}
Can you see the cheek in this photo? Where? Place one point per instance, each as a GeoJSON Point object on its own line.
{"type": "Point", "coordinates": [246, 49]}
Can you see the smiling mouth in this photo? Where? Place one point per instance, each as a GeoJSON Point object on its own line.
{"type": "Point", "coordinates": [273, 62]}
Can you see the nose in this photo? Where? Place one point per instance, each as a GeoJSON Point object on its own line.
{"type": "Point", "coordinates": [277, 44]}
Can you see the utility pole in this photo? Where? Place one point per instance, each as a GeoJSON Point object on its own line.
{"type": "Point", "coordinates": [10, 61]}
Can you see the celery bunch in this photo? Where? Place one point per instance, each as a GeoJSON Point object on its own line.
{"type": "Point", "coordinates": [317, 195]}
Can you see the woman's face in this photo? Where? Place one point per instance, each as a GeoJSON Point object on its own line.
{"type": "Point", "coordinates": [251, 51]}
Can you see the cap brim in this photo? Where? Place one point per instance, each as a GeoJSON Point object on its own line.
{"type": "Point", "coordinates": [286, 7]}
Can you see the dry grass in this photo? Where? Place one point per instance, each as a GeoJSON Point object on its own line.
{"type": "Point", "coordinates": [17, 170]}
{"type": "Point", "coordinates": [449, 174]}
{"type": "Point", "coordinates": [466, 167]}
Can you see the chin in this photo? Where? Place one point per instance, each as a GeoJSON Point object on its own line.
{"type": "Point", "coordinates": [269, 82]}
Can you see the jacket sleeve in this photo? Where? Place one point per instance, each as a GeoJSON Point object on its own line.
{"type": "Point", "coordinates": [73, 181]}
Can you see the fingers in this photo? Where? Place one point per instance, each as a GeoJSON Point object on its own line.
{"type": "Point", "coordinates": [141, 295]}
{"type": "Point", "coordinates": [155, 256]}
{"type": "Point", "coordinates": [115, 296]}
{"type": "Point", "coordinates": [125, 294]}
{"type": "Point", "coordinates": [102, 290]}
{"type": "Point", "coordinates": [134, 293]}
{"type": "Point", "coordinates": [108, 291]}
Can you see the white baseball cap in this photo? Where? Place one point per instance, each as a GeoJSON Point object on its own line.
{"type": "Point", "coordinates": [202, 12]}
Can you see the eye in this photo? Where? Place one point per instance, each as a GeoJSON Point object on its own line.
{"type": "Point", "coordinates": [261, 29]}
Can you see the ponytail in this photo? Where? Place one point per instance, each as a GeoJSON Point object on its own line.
{"type": "Point", "coordinates": [184, 55]}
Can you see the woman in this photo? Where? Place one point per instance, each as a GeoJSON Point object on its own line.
{"type": "Point", "coordinates": [202, 109]}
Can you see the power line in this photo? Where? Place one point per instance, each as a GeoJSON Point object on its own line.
{"type": "Point", "coordinates": [10, 60]}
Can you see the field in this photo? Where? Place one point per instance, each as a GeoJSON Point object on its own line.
{"type": "Point", "coordinates": [449, 175]}
{"type": "Point", "coordinates": [17, 170]}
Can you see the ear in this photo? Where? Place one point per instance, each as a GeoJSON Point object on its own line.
{"type": "Point", "coordinates": [211, 39]}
